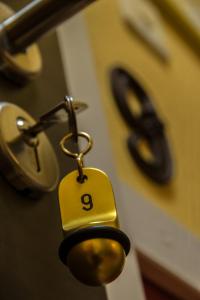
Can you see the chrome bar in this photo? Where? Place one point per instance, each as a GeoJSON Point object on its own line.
{"type": "Point", "coordinates": [35, 19]}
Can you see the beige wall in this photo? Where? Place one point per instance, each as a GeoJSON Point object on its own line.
{"type": "Point", "coordinates": [175, 88]}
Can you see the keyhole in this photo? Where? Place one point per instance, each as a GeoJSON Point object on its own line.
{"type": "Point", "coordinates": [37, 159]}
{"type": "Point", "coordinates": [33, 142]}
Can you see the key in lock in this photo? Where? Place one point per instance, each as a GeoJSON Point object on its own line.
{"type": "Point", "coordinates": [27, 158]}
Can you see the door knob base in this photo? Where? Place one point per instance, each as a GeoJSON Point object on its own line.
{"type": "Point", "coordinates": [21, 67]}
{"type": "Point", "coordinates": [20, 164]}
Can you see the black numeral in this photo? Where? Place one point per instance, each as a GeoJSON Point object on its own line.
{"type": "Point", "coordinates": [86, 200]}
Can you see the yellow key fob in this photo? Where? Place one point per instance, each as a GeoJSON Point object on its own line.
{"type": "Point", "coordinates": [94, 248]}
{"type": "Point", "coordinates": [87, 203]}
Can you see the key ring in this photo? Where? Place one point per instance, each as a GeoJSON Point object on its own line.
{"type": "Point", "coordinates": [72, 118]}
{"type": "Point", "coordinates": [77, 155]}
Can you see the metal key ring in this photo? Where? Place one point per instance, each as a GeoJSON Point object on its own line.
{"type": "Point", "coordinates": [72, 118]}
{"type": "Point", "coordinates": [76, 154]}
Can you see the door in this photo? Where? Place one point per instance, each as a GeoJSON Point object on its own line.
{"type": "Point", "coordinates": [31, 228]}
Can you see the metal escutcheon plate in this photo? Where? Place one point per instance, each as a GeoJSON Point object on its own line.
{"type": "Point", "coordinates": [18, 160]}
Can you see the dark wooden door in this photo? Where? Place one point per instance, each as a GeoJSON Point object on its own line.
{"type": "Point", "coordinates": [30, 230]}
{"type": "Point", "coordinates": [153, 292]}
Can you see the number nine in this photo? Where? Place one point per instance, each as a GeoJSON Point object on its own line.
{"type": "Point", "coordinates": [86, 200]}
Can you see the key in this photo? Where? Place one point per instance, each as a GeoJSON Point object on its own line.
{"type": "Point", "coordinates": [37, 159]}
{"type": "Point", "coordinates": [59, 114]}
